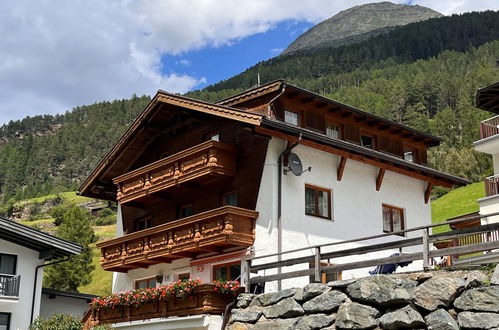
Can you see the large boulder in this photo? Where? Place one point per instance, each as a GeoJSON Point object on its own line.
{"type": "Point", "coordinates": [438, 292]}
{"type": "Point", "coordinates": [441, 320]}
{"type": "Point", "coordinates": [262, 299]}
{"type": "Point", "coordinates": [315, 321]}
{"type": "Point", "coordinates": [470, 320]}
{"type": "Point", "coordinates": [382, 290]}
{"type": "Point", "coordinates": [286, 308]}
{"type": "Point", "coordinates": [356, 316]}
{"type": "Point", "coordinates": [482, 299]}
{"type": "Point", "coordinates": [495, 277]}
{"type": "Point", "coordinates": [325, 303]}
{"type": "Point", "coordinates": [248, 315]}
{"type": "Point", "coordinates": [403, 318]}
{"type": "Point", "coordinates": [475, 279]}
{"type": "Point", "coordinates": [310, 291]}
{"type": "Point", "coordinates": [340, 284]}
{"type": "Point", "coordinates": [244, 299]}
{"type": "Point", "coordinates": [278, 296]}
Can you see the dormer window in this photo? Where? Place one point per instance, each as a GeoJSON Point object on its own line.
{"type": "Point", "coordinates": [409, 154]}
{"type": "Point", "coordinates": [333, 130]}
{"type": "Point", "coordinates": [291, 117]}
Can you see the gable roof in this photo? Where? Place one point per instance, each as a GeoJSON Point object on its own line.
{"type": "Point", "coordinates": [49, 246]}
{"type": "Point", "coordinates": [487, 98]}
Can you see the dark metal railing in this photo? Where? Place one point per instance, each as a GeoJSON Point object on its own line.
{"type": "Point", "coordinates": [9, 285]}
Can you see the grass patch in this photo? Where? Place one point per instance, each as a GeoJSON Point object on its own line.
{"type": "Point", "coordinates": [105, 231]}
{"type": "Point", "coordinates": [69, 197]}
{"type": "Point", "coordinates": [101, 280]}
{"type": "Point", "coordinates": [36, 222]}
{"type": "Point", "coordinates": [457, 202]}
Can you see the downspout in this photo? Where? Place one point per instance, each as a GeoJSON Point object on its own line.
{"type": "Point", "coordinates": [279, 204]}
{"type": "Point", "coordinates": [275, 98]}
{"type": "Point", "coordinates": [34, 285]}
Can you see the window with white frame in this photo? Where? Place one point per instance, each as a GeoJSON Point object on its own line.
{"type": "Point", "coordinates": [291, 117]}
{"type": "Point", "coordinates": [333, 130]}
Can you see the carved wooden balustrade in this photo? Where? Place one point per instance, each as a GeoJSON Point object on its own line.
{"type": "Point", "coordinates": [204, 300]}
{"type": "Point", "coordinates": [210, 231]}
{"type": "Point", "coordinates": [489, 127]}
{"type": "Point", "coordinates": [492, 185]}
{"type": "Point", "coordinates": [201, 163]}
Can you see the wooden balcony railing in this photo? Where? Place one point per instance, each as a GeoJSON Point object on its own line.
{"type": "Point", "coordinates": [489, 127]}
{"type": "Point", "coordinates": [199, 164]}
{"type": "Point", "coordinates": [210, 231]}
{"type": "Point", "coordinates": [204, 300]}
{"type": "Point", "coordinates": [492, 185]}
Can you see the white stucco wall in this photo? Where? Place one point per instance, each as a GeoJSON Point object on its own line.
{"type": "Point", "coordinates": [63, 305]}
{"type": "Point", "coordinates": [356, 206]}
{"type": "Point", "coordinates": [20, 308]}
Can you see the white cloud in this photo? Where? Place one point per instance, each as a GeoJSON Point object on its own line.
{"type": "Point", "coordinates": [59, 54]}
{"type": "Point", "coordinates": [276, 51]}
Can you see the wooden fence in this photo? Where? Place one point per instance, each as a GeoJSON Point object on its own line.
{"type": "Point", "coordinates": [466, 238]}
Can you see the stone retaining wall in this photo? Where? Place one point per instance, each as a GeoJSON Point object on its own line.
{"type": "Point", "coordinates": [430, 300]}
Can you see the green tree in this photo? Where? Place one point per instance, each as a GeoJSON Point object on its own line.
{"type": "Point", "coordinates": [68, 276]}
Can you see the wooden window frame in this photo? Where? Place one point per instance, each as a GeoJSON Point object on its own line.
{"type": "Point", "coordinates": [402, 225]}
{"type": "Point", "coordinates": [373, 136]}
{"type": "Point", "coordinates": [316, 197]}
{"type": "Point", "coordinates": [185, 206]}
{"type": "Point", "coordinates": [332, 122]}
{"type": "Point", "coordinates": [9, 318]}
{"type": "Point", "coordinates": [15, 261]}
{"type": "Point", "coordinates": [136, 282]}
{"type": "Point", "coordinates": [228, 264]}
{"type": "Point", "coordinates": [298, 117]}
{"type": "Point", "coordinates": [179, 275]}
{"type": "Point", "coordinates": [146, 219]}
{"type": "Point", "coordinates": [234, 191]}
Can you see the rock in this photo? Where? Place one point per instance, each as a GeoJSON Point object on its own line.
{"type": "Point", "coordinates": [482, 299]}
{"type": "Point", "coordinates": [239, 326]}
{"type": "Point", "coordinates": [356, 316]}
{"type": "Point", "coordinates": [382, 290]}
{"type": "Point", "coordinates": [474, 279]}
{"type": "Point", "coordinates": [286, 308]}
{"type": "Point", "coordinates": [325, 303]}
{"type": "Point", "coordinates": [340, 284]}
{"type": "Point", "coordinates": [438, 292]}
{"type": "Point", "coordinates": [316, 321]}
{"type": "Point", "coordinates": [478, 320]}
{"type": "Point", "coordinates": [495, 277]}
{"type": "Point", "coordinates": [244, 299]}
{"type": "Point", "coordinates": [405, 317]}
{"type": "Point", "coordinates": [281, 295]}
{"type": "Point", "coordinates": [277, 324]}
{"type": "Point", "coordinates": [441, 320]}
{"type": "Point", "coordinates": [310, 291]}
{"type": "Point", "coordinates": [248, 315]}
{"type": "Point", "coordinates": [262, 299]}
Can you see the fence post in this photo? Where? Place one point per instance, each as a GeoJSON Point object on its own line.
{"type": "Point", "coordinates": [317, 265]}
{"type": "Point", "coordinates": [426, 249]}
{"type": "Point", "coordinates": [247, 276]}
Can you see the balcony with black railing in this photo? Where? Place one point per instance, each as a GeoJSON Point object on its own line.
{"type": "Point", "coordinates": [9, 285]}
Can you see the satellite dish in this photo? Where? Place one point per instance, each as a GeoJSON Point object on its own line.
{"type": "Point", "coordinates": [295, 165]}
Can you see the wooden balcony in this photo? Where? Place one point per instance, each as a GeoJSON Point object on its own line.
{"type": "Point", "coordinates": [210, 231]}
{"type": "Point", "coordinates": [489, 127]}
{"type": "Point", "coordinates": [204, 300]}
{"type": "Point", "coordinates": [492, 185]}
{"type": "Point", "coordinates": [201, 164]}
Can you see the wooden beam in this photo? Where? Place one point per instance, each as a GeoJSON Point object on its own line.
{"type": "Point", "coordinates": [372, 122]}
{"type": "Point", "coordinates": [396, 131]}
{"type": "Point", "coordinates": [346, 114]}
{"type": "Point", "coordinates": [334, 109]}
{"type": "Point", "coordinates": [320, 105]}
{"type": "Point", "coordinates": [427, 192]}
{"type": "Point", "coordinates": [306, 100]}
{"type": "Point", "coordinates": [383, 127]}
{"type": "Point", "coordinates": [358, 119]}
{"type": "Point", "coordinates": [292, 95]}
{"type": "Point", "coordinates": [379, 179]}
{"type": "Point", "coordinates": [341, 168]}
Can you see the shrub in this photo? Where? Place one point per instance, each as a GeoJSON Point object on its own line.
{"type": "Point", "coordinates": [56, 322]}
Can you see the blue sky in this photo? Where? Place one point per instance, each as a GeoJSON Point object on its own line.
{"type": "Point", "coordinates": [57, 55]}
{"type": "Point", "coordinates": [216, 64]}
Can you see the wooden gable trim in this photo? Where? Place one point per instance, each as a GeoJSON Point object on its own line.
{"type": "Point", "coordinates": [252, 93]}
{"type": "Point", "coordinates": [357, 157]}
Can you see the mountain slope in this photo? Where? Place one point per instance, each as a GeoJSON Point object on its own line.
{"type": "Point", "coordinates": [362, 21]}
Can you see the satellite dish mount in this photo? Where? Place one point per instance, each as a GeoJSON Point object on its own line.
{"type": "Point", "coordinates": [295, 165]}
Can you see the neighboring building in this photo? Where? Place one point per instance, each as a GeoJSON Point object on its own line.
{"type": "Point", "coordinates": [64, 302]}
{"type": "Point", "coordinates": [23, 252]}
{"type": "Point", "coordinates": [201, 185]}
{"type": "Point", "coordinates": [488, 99]}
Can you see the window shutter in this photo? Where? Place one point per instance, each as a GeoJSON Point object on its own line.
{"type": "Point", "coordinates": [392, 146]}
{"type": "Point", "coordinates": [315, 121]}
{"type": "Point", "coordinates": [352, 133]}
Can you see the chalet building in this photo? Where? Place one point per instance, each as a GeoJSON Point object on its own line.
{"type": "Point", "coordinates": [23, 253]}
{"type": "Point", "coordinates": [488, 99]}
{"type": "Point", "coordinates": [201, 186]}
